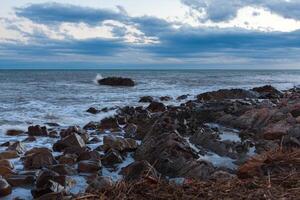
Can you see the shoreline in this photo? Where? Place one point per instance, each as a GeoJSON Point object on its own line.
{"type": "Point", "coordinates": [163, 143]}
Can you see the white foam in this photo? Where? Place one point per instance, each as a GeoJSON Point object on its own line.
{"type": "Point", "coordinates": [97, 78]}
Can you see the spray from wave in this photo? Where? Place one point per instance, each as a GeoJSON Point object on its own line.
{"type": "Point", "coordinates": [97, 78]}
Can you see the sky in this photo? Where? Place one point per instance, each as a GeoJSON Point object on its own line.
{"type": "Point", "coordinates": [181, 34]}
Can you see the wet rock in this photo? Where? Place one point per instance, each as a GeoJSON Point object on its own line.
{"type": "Point", "coordinates": [68, 159]}
{"type": "Point", "coordinates": [75, 129]}
{"type": "Point", "coordinates": [119, 144]}
{"type": "Point", "coordinates": [73, 140]}
{"type": "Point", "coordinates": [91, 126]}
{"type": "Point", "coordinates": [5, 188]}
{"type": "Point", "coordinates": [37, 158]}
{"type": "Point", "coordinates": [53, 134]}
{"type": "Point", "coordinates": [156, 107]}
{"type": "Point", "coordinates": [8, 154]}
{"type": "Point", "coordinates": [89, 155]}
{"type": "Point", "coordinates": [268, 92]}
{"type": "Point", "coordinates": [182, 97]}
{"type": "Point", "coordinates": [75, 150]}
{"type": "Point", "coordinates": [146, 99]}
{"type": "Point", "coordinates": [6, 171]}
{"type": "Point", "coordinates": [117, 81]}
{"type": "Point", "coordinates": [109, 124]}
{"type": "Point", "coordinates": [29, 139]}
{"type": "Point", "coordinates": [130, 130]}
{"type": "Point", "coordinates": [8, 143]}
{"type": "Point", "coordinates": [112, 157]}
{"type": "Point", "coordinates": [14, 132]}
{"type": "Point", "coordinates": [62, 169]}
{"type": "Point", "coordinates": [92, 110]}
{"type": "Point", "coordinates": [37, 130]}
{"type": "Point", "coordinates": [227, 94]}
{"type": "Point", "coordinates": [21, 180]}
{"type": "Point", "coordinates": [276, 131]}
{"type": "Point", "coordinates": [100, 183]}
{"type": "Point", "coordinates": [89, 166]}
{"type": "Point", "coordinates": [165, 98]}
{"type": "Point", "coordinates": [17, 146]}
{"type": "Point", "coordinates": [6, 163]}
{"type": "Point", "coordinates": [138, 170]}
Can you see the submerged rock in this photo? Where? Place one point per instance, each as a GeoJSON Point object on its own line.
{"type": "Point", "coordinates": [117, 81]}
{"type": "Point", "coordinates": [14, 132]}
{"type": "Point", "coordinates": [146, 99]}
{"type": "Point", "coordinates": [92, 110]}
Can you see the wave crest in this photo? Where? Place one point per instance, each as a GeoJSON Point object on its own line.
{"type": "Point", "coordinates": [97, 78]}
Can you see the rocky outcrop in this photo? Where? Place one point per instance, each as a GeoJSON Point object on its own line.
{"type": "Point", "coordinates": [227, 94]}
{"type": "Point", "coordinates": [156, 107]}
{"type": "Point", "coordinates": [117, 81]}
{"type": "Point", "coordinates": [268, 92]}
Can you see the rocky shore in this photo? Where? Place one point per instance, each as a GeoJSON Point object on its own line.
{"type": "Point", "coordinates": [230, 143]}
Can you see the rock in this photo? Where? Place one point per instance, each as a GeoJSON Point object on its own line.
{"type": "Point", "coordinates": [227, 94]}
{"type": "Point", "coordinates": [37, 158]}
{"type": "Point", "coordinates": [182, 97]}
{"type": "Point", "coordinates": [69, 159]}
{"type": "Point", "coordinates": [146, 99]}
{"type": "Point", "coordinates": [130, 130]}
{"type": "Point", "coordinates": [100, 183]}
{"type": "Point", "coordinates": [117, 81]}
{"type": "Point", "coordinates": [75, 129]}
{"type": "Point", "coordinates": [37, 130]}
{"type": "Point", "coordinates": [6, 171]}
{"type": "Point", "coordinates": [165, 98]}
{"type": "Point", "coordinates": [89, 155]}
{"type": "Point", "coordinates": [119, 144]}
{"type": "Point", "coordinates": [21, 180]}
{"type": "Point", "coordinates": [8, 155]}
{"type": "Point", "coordinates": [62, 169]}
{"type": "Point", "coordinates": [295, 110]}
{"type": "Point", "coordinates": [156, 107]}
{"type": "Point", "coordinates": [222, 175]}
{"type": "Point", "coordinates": [29, 139]}
{"type": "Point", "coordinates": [54, 196]}
{"type": "Point", "coordinates": [73, 140]}
{"type": "Point", "coordinates": [276, 131]}
{"type": "Point", "coordinates": [52, 124]}
{"type": "Point", "coordinates": [6, 163]}
{"type": "Point", "coordinates": [138, 170]}
{"type": "Point", "coordinates": [112, 157]}
{"type": "Point", "coordinates": [89, 166]}
{"type": "Point", "coordinates": [95, 140]}
{"type": "Point", "coordinates": [91, 126]}
{"type": "Point", "coordinates": [92, 110]}
{"type": "Point", "coordinates": [17, 146]}
{"type": "Point", "coordinates": [5, 188]}
{"type": "Point", "coordinates": [109, 124]}
{"type": "Point", "coordinates": [268, 92]}
{"type": "Point", "coordinates": [14, 132]}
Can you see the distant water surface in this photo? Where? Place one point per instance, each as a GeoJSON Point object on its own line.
{"type": "Point", "coordinates": [62, 96]}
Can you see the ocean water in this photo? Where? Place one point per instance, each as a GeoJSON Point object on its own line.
{"type": "Point", "coordinates": [62, 96]}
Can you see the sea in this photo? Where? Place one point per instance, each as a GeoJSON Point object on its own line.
{"type": "Point", "coordinates": [62, 96]}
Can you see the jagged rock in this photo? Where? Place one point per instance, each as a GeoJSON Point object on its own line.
{"type": "Point", "coordinates": [109, 124]}
{"type": "Point", "coordinates": [6, 171]}
{"type": "Point", "coordinates": [227, 94]}
{"type": "Point", "coordinates": [165, 98]}
{"type": "Point", "coordinates": [268, 91]}
{"type": "Point", "coordinates": [37, 130]}
{"type": "Point", "coordinates": [62, 169]}
{"type": "Point", "coordinates": [112, 157]}
{"type": "Point", "coordinates": [75, 129]}
{"type": "Point", "coordinates": [89, 166]}
{"type": "Point", "coordinates": [92, 110]}
{"type": "Point", "coordinates": [138, 170]}
{"type": "Point", "coordinates": [73, 140]}
{"type": "Point", "coordinates": [156, 107]}
{"type": "Point", "coordinates": [117, 81]}
{"type": "Point", "coordinates": [118, 143]}
{"type": "Point", "coordinates": [5, 188]}
{"type": "Point", "coordinates": [89, 155]}
{"type": "Point", "coordinates": [37, 158]}
{"type": "Point", "coordinates": [91, 126]}
{"type": "Point", "coordinates": [146, 99]}
{"type": "Point", "coordinates": [21, 180]}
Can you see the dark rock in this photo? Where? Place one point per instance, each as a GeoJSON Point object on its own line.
{"type": "Point", "coordinates": [182, 97]}
{"type": "Point", "coordinates": [17, 146]}
{"type": "Point", "coordinates": [54, 196]}
{"type": "Point", "coordinates": [146, 99]}
{"type": "Point", "coordinates": [75, 129]}
{"type": "Point", "coordinates": [92, 110]}
{"type": "Point", "coordinates": [6, 163]}
{"type": "Point", "coordinates": [6, 171]}
{"type": "Point", "coordinates": [130, 130]}
{"type": "Point", "coordinates": [117, 81]}
{"type": "Point", "coordinates": [109, 124]}
{"type": "Point", "coordinates": [91, 126]}
{"type": "Point", "coordinates": [112, 157]}
{"type": "Point", "coordinates": [165, 98]}
{"type": "Point", "coordinates": [21, 180]}
{"type": "Point", "coordinates": [29, 139]}
{"type": "Point", "coordinates": [5, 188]}
{"type": "Point", "coordinates": [8, 154]}
{"type": "Point", "coordinates": [69, 159]}
{"type": "Point", "coordinates": [53, 124]}
{"type": "Point", "coordinates": [119, 144]}
{"type": "Point", "coordinates": [89, 155]}
{"type": "Point", "coordinates": [73, 140]}
{"type": "Point", "coordinates": [138, 170]}
{"type": "Point", "coordinates": [89, 166]}
{"type": "Point", "coordinates": [38, 158]}
{"type": "Point", "coordinates": [100, 183]}
{"type": "Point", "coordinates": [268, 92]}
{"type": "Point", "coordinates": [227, 94]}
{"type": "Point", "coordinates": [37, 130]}
{"type": "Point", "coordinates": [62, 169]}
{"type": "Point", "coordinates": [14, 132]}
{"type": "Point", "coordinates": [156, 107]}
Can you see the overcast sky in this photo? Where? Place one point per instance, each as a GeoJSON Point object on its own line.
{"type": "Point", "coordinates": [204, 34]}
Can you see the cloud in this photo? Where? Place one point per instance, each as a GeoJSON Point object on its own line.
{"type": "Point", "coordinates": [224, 10]}
{"type": "Point", "coordinates": [52, 13]}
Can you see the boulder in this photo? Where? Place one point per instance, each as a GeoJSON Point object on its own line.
{"type": "Point", "coordinates": [92, 110]}
{"type": "Point", "coordinates": [5, 188]}
{"type": "Point", "coordinates": [146, 99]}
{"type": "Point", "coordinates": [112, 157]}
{"type": "Point", "coordinates": [165, 98]}
{"type": "Point", "coordinates": [21, 180]}
{"type": "Point", "coordinates": [68, 159]}
{"type": "Point", "coordinates": [37, 130]}
{"type": "Point", "coordinates": [73, 140]}
{"type": "Point", "coordinates": [138, 170]}
{"type": "Point", "coordinates": [109, 123]}
{"type": "Point", "coordinates": [227, 94]}
{"type": "Point", "coordinates": [117, 81]}
{"type": "Point", "coordinates": [62, 169]}
{"type": "Point", "coordinates": [8, 154]}
{"type": "Point", "coordinates": [91, 126]}
{"type": "Point", "coordinates": [268, 92]}
{"type": "Point", "coordinates": [156, 107]}
{"type": "Point", "coordinates": [75, 129]}
{"type": "Point", "coordinates": [119, 144]}
{"type": "Point", "coordinates": [100, 183]}
{"type": "Point", "coordinates": [38, 158]}
{"type": "Point", "coordinates": [6, 171]}
{"type": "Point", "coordinates": [89, 155]}
{"type": "Point", "coordinates": [14, 132]}
{"type": "Point", "coordinates": [89, 166]}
